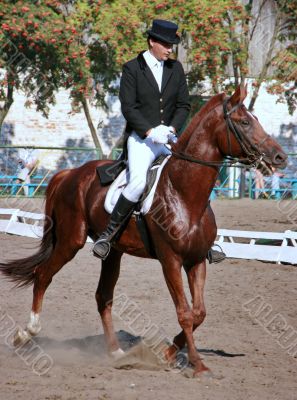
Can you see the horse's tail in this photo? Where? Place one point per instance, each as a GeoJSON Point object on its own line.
{"type": "Point", "coordinates": [22, 271]}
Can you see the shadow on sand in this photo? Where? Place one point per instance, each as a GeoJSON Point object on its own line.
{"type": "Point", "coordinates": [94, 345]}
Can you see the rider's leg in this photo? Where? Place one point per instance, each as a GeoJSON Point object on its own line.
{"type": "Point", "coordinates": [120, 214]}
{"type": "Point", "coordinates": [141, 154]}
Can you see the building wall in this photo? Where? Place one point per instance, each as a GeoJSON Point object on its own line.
{"type": "Point", "coordinates": [25, 126]}
{"type": "Point", "coordinates": [274, 116]}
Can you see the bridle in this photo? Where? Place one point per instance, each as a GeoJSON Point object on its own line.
{"type": "Point", "coordinates": [251, 150]}
{"type": "Point", "coordinates": [253, 153]}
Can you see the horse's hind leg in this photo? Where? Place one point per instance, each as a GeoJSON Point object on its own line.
{"type": "Point", "coordinates": [196, 279]}
{"type": "Point", "coordinates": [44, 273]}
{"type": "Point", "coordinates": [104, 296]}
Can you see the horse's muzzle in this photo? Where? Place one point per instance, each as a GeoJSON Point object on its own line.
{"type": "Point", "coordinates": [279, 160]}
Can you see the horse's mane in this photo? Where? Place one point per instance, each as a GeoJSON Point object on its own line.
{"type": "Point", "coordinates": [209, 106]}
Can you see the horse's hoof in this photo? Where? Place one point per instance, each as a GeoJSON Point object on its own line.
{"type": "Point", "coordinates": [206, 375]}
{"type": "Point", "coordinates": [117, 354]}
{"type": "Point", "coordinates": [33, 326]}
{"type": "Point", "coordinates": [33, 330]}
{"type": "Point", "coordinates": [21, 337]}
{"type": "Point", "coordinates": [170, 354]}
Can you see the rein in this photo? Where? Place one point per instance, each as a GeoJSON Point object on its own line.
{"type": "Point", "coordinates": [254, 155]}
{"type": "Point", "coordinates": [185, 157]}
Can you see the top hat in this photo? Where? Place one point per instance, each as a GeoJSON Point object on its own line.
{"type": "Point", "coordinates": [165, 31]}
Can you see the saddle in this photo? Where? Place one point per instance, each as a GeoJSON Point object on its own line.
{"type": "Point", "coordinates": [108, 173]}
{"type": "Point", "coordinates": [120, 182]}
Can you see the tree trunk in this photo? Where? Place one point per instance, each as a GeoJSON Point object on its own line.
{"type": "Point", "coordinates": [3, 113]}
{"type": "Point", "coordinates": [91, 125]}
{"type": "Point", "coordinates": [268, 59]}
{"type": "Point", "coordinates": [119, 143]}
{"type": "Point", "coordinates": [233, 54]}
{"type": "Point", "coordinates": [7, 104]}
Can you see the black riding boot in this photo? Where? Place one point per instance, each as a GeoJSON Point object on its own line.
{"type": "Point", "coordinates": [121, 213]}
{"type": "Point", "coordinates": [215, 256]}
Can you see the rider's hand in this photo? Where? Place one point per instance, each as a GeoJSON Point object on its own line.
{"type": "Point", "coordinates": [159, 134]}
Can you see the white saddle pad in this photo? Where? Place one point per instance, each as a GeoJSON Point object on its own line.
{"type": "Point", "coordinates": [120, 183]}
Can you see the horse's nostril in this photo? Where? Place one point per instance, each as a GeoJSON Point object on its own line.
{"type": "Point", "coordinates": [279, 158]}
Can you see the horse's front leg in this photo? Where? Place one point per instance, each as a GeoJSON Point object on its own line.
{"type": "Point", "coordinates": [104, 296]}
{"type": "Point", "coordinates": [187, 318]}
{"type": "Point", "coordinates": [196, 279]}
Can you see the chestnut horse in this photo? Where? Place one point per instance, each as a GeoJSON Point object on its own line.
{"type": "Point", "coordinates": [74, 210]}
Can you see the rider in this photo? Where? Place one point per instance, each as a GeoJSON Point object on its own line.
{"type": "Point", "coordinates": [155, 103]}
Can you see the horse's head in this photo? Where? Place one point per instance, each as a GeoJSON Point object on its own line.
{"type": "Point", "coordinates": [243, 136]}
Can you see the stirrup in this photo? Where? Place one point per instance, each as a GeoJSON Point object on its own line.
{"type": "Point", "coordinates": [102, 249]}
{"type": "Point", "coordinates": [215, 256]}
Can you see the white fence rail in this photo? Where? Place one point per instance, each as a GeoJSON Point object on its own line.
{"type": "Point", "coordinates": [280, 247]}
{"type": "Point", "coordinates": [21, 223]}
{"type": "Point", "coordinates": [284, 248]}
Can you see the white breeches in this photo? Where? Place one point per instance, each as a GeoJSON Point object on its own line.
{"type": "Point", "coordinates": [141, 154]}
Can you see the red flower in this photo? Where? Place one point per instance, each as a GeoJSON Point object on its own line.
{"type": "Point", "coordinates": [159, 6]}
{"type": "Point", "coordinates": [5, 27]}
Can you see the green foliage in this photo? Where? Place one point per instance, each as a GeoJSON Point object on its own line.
{"type": "Point", "coordinates": [82, 44]}
{"type": "Point", "coordinates": [213, 39]}
{"type": "Point", "coordinates": [31, 50]}
{"type": "Point", "coordinates": [44, 48]}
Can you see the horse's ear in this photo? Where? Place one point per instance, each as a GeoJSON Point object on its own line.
{"type": "Point", "coordinates": [239, 95]}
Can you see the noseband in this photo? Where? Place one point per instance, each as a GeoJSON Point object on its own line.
{"type": "Point", "coordinates": [253, 152]}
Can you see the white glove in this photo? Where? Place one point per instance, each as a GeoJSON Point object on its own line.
{"type": "Point", "coordinates": [159, 134]}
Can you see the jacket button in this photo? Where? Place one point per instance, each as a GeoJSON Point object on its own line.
{"type": "Point", "coordinates": [162, 122]}
{"type": "Point", "coordinates": [161, 99]}
{"type": "Point", "coordinates": [161, 111]}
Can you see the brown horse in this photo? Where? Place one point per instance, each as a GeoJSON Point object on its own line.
{"type": "Point", "coordinates": [182, 233]}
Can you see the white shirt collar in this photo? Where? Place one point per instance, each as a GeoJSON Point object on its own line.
{"type": "Point", "coordinates": [151, 60]}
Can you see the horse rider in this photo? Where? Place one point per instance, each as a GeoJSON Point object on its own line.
{"type": "Point", "coordinates": [155, 103]}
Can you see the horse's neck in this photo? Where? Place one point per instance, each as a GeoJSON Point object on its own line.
{"type": "Point", "coordinates": [192, 181]}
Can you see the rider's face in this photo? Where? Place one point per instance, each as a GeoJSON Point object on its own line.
{"type": "Point", "coordinates": [160, 50]}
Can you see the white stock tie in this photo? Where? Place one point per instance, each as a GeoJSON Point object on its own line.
{"type": "Point", "coordinates": [158, 72]}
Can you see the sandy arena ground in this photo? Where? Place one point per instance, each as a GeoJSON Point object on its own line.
{"type": "Point", "coordinates": [249, 356]}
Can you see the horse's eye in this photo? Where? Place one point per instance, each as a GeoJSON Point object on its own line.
{"type": "Point", "coordinates": [245, 122]}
